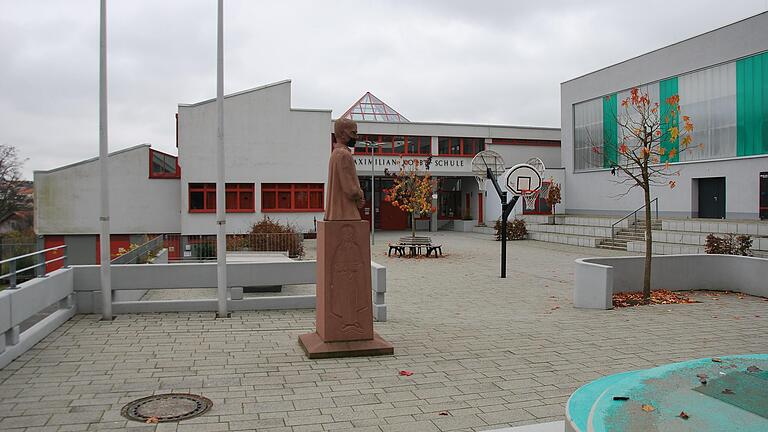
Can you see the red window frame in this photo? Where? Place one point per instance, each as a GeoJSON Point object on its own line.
{"type": "Point", "coordinates": [388, 147]}
{"type": "Point", "coordinates": [292, 197]}
{"type": "Point", "coordinates": [163, 175]}
{"type": "Point", "coordinates": [236, 197]}
{"type": "Point", "coordinates": [462, 146]}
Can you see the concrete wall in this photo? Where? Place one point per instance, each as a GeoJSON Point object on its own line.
{"type": "Point", "coordinates": [266, 142]}
{"type": "Point", "coordinates": [67, 198]}
{"type": "Point", "coordinates": [596, 191]}
{"type": "Point", "coordinates": [596, 279]}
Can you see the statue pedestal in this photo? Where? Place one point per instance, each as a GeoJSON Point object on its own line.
{"type": "Point", "coordinates": [344, 308]}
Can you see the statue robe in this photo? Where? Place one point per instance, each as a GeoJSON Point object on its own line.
{"type": "Point", "coordinates": [344, 190]}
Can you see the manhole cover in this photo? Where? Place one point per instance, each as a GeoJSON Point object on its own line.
{"type": "Point", "coordinates": [170, 407]}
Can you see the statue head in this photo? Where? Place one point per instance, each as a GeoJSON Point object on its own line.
{"type": "Point", "coordinates": [345, 131]}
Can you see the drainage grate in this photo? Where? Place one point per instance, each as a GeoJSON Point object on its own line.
{"type": "Point", "coordinates": [170, 407]}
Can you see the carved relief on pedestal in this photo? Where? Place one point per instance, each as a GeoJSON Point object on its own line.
{"type": "Point", "coordinates": [348, 270]}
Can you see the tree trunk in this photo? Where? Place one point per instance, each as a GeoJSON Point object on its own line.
{"type": "Point", "coordinates": [413, 224]}
{"type": "Point", "coordinates": [648, 246]}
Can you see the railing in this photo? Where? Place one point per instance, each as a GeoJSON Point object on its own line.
{"type": "Point", "coordinates": [634, 213]}
{"type": "Point", "coordinates": [202, 248]}
{"type": "Point", "coordinates": [145, 250]}
{"type": "Point", "coordinates": [12, 263]}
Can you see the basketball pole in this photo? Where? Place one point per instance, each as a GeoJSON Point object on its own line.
{"type": "Point", "coordinates": [506, 209]}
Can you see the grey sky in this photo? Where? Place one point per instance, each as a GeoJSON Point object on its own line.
{"type": "Point", "coordinates": [453, 61]}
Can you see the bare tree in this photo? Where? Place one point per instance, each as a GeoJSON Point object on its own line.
{"type": "Point", "coordinates": [648, 138]}
{"type": "Point", "coordinates": [11, 199]}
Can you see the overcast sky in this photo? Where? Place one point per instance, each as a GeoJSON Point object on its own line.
{"type": "Point", "coordinates": [452, 61]}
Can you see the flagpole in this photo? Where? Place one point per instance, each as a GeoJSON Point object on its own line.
{"type": "Point", "coordinates": [104, 240]}
{"type": "Point", "coordinates": [221, 236]}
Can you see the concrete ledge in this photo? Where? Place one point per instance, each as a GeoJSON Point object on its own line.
{"type": "Point", "coordinates": [596, 279]}
{"type": "Point", "coordinates": [211, 305]}
{"type": "Point", "coordinates": [558, 426]}
{"type": "Point", "coordinates": [35, 334]}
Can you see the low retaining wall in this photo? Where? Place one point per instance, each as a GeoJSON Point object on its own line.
{"type": "Point", "coordinates": [133, 277]}
{"type": "Point", "coordinates": [596, 279]}
{"type": "Point", "coordinates": [26, 301]}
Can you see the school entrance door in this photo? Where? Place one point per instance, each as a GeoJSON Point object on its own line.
{"type": "Point", "coordinates": [712, 197]}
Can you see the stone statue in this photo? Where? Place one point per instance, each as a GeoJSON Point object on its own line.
{"type": "Point", "coordinates": [344, 195]}
{"type": "Point", "coordinates": [344, 311]}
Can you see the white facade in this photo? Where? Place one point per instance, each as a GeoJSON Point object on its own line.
{"type": "Point", "coordinates": [706, 61]}
{"type": "Point", "coordinates": [266, 141]}
{"type": "Point", "coordinates": [67, 198]}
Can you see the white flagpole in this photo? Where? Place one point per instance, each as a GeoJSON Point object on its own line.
{"type": "Point", "coordinates": [221, 236]}
{"type": "Point", "coordinates": [104, 241]}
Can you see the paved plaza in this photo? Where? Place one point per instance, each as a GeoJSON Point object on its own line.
{"type": "Point", "coordinates": [485, 352]}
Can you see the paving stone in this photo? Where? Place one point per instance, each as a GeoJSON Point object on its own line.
{"type": "Point", "coordinates": [492, 352]}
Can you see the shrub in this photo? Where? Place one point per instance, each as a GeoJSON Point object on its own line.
{"type": "Point", "coordinates": [269, 235]}
{"type": "Point", "coordinates": [728, 245]}
{"type": "Point", "coordinates": [516, 230]}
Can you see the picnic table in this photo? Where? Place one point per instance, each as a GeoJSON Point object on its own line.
{"type": "Point", "coordinates": [414, 245]}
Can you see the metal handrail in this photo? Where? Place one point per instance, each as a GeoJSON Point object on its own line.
{"type": "Point", "coordinates": [11, 275]}
{"type": "Point", "coordinates": [634, 213]}
{"type": "Point", "coordinates": [131, 256]}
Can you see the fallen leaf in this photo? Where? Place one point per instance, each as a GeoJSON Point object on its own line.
{"type": "Point", "coordinates": [753, 369]}
{"type": "Point", "coordinates": [728, 391]}
{"type": "Point", "coordinates": [621, 398]}
{"type": "Point", "coordinates": [683, 415]}
{"type": "Point", "coordinates": [716, 360]}
{"type": "Point", "coordinates": [443, 413]}
{"type": "Point", "coordinates": [152, 420]}
{"type": "Point", "coordinates": [648, 408]}
{"type": "Point", "coordinates": [406, 373]}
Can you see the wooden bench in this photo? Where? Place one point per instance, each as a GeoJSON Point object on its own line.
{"type": "Point", "coordinates": [414, 244]}
{"type": "Point", "coordinates": [435, 248]}
{"type": "Point", "coordinates": [399, 249]}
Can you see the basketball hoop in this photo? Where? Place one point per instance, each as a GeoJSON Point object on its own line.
{"type": "Point", "coordinates": [484, 160]}
{"type": "Point", "coordinates": [530, 197]}
{"type": "Point", "coordinates": [480, 183]}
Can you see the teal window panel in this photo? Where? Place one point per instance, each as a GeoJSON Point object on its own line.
{"type": "Point", "coordinates": [610, 131]}
{"type": "Point", "coordinates": [668, 120]}
{"type": "Point", "coordinates": [752, 105]}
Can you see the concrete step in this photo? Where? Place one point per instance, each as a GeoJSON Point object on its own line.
{"type": "Point", "coordinates": [570, 239]}
{"type": "Point", "coordinates": [753, 228]}
{"type": "Point", "coordinates": [605, 246]}
{"type": "Point", "coordinates": [594, 231]}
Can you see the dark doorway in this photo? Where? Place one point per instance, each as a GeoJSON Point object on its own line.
{"type": "Point", "coordinates": [712, 197]}
{"type": "Point", "coordinates": [764, 195]}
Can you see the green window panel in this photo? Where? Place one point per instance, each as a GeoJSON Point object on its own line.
{"type": "Point", "coordinates": [667, 89]}
{"type": "Point", "coordinates": [752, 105]}
{"type": "Point", "coordinates": [610, 131]}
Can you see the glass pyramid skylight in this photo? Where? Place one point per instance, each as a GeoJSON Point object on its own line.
{"type": "Point", "coordinates": [371, 108]}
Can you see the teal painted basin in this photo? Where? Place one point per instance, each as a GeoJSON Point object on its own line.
{"type": "Point", "coordinates": [670, 389]}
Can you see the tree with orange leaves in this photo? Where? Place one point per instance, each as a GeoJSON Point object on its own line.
{"type": "Point", "coordinates": [648, 138]}
{"type": "Point", "coordinates": [411, 191]}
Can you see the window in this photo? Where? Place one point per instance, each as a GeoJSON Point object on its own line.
{"type": "Point", "coordinates": [163, 165]}
{"type": "Point", "coordinates": [239, 198]}
{"type": "Point", "coordinates": [395, 145]}
{"type": "Point", "coordinates": [455, 146]}
{"type": "Point", "coordinates": [292, 197]}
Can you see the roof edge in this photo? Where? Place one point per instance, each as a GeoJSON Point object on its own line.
{"type": "Point", "coordinates": [664, 47]}
{"type": "Point", "coordinates": [457, 124]}
{"type": "Point", "coordinates": [93, 159]}
{"type": "Point", "coordinates": [250, 90]}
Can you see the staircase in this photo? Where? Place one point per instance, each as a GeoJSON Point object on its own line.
{"type": "Point", "coordinates": [633, 233]}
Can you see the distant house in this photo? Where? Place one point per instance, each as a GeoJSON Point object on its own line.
{"type": "Point", "coordinates": [17, 221]}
